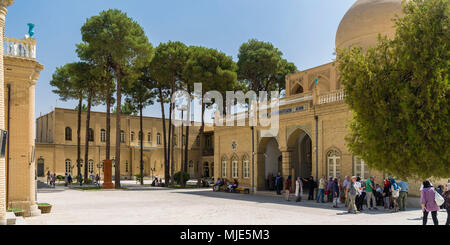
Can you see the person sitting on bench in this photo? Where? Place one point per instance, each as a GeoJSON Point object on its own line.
{"type": "Point", "coordinates": [232, 187]}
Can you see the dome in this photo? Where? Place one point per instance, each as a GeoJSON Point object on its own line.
{"type": "Point", "coordinates": [365, 20]}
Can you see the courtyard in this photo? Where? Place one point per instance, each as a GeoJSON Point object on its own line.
{"type": "Point", "coordinates": [162, 206]}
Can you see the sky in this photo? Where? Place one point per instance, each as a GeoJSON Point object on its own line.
{"type": "Point", "coordinates": [304, 30]}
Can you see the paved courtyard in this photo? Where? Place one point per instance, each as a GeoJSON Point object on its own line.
{"type": "Point", "coordinates": [161, 206]}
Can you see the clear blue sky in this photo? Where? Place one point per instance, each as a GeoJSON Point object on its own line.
{"type": "Point", "coordinates": [304, 30]}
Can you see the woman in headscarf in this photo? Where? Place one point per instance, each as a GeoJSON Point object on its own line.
{"type": "Point", "coordinates": [288, 186]}
{"type": "Point", "coordinates": [298, 189]}
{"type": "Point", "coordinates": [427, 199]}
{"type": "Point", "coordinates": [386, 195]}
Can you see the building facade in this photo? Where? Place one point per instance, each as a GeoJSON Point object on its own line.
{"type": "Point", "coordinates": [56, 145]}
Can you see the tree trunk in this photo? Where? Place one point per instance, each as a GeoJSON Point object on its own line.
{"type": "Point", "coordinates": [108, 123]}
{"type": "Point", "coordinates": [166, 160]}
{"type": "Point", "coordinates": [86, 146]}
{"type": "Point", "coordinates": [141, 133]}
{"type": "Point", "coordinates": [172, 166]}
{"type": "Point", "coordinates": [80, 104]}
{"type": "Point", "coordinates": [118, 112]}
{"type": "Point", "coordinates": [186, 149]}
{"type": "Point", "coordinates": [182, 170]}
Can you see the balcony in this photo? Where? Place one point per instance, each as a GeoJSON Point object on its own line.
{"type": "Point", "coordinates": [208, 152]}
{"type": "Point", "coordinates": [334, 96]}
{"type": "Point", "coordinates": [25, 48]}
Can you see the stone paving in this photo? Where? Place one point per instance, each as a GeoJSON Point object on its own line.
{"type": "Point", "coordinates": [162, 206]}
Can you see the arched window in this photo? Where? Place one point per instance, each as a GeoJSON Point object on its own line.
{"type": "Point", "coordinates": [140, 136]}
{"type": "Point", "coordinates": [122, 136]}
{"type": "Point", "coordinates": [68, 166]}
{"type": "Point", "coordinates": [91, 134]}
{"type": "Point", "coordinates": [234, 168]}
{"type": "Point", "coordinates": [334, 163]}
{"type": "Point", "coordinates": [360, 168]}
{"type": "Point", "coordinates": [68, 134]}
{"type": "Point", "coordinates": [40, 167]}
{"type": "Point", "coordinates": [245, 168]}
{"type": "Point", "coordinates": [191, 168]}
{"type": "Point", "coordinates": [224, 167]}
{"type": "Point", "coordinates": [149, 138]}
{"type": "Point", "coordinates": [126, 166]}
{"type": "Point", "coordinates": [299, 90]}
{"type": "Point", "coordinates": [91, 166]}
{"type": "Point", "coordinates": [103, 135]}
{"type": "Point", "coordinates": [158, 139]}
{"type": "Point", "coordinates": [132, 137]}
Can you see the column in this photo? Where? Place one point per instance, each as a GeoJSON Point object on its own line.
{"type": "Point", "coordinates": [286, 169]}
{"type": "Point", "coordinates": [3, 11]}
{"type": "Point", "coordinates": [34, 210]}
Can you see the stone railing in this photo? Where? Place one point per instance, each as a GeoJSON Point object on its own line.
{"type": "Point", "coordinates": [25, 48]}
{"type": "Point", "coordinates": [334, 96]}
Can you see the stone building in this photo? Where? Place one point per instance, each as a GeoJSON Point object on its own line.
{"type": "Point", "coordinates": [19, 72]}
{"type": "Point", "coordinates": [56, 145]}
{"type": "Point", "coordinates": [313, 117]}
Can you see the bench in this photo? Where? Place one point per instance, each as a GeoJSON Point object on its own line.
{"type": "Point", "coordinates": [242, 190]}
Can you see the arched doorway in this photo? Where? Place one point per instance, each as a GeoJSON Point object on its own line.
{"type": "Point", "coordinates": [206, 170]}
{"type": "Point", "coordinates": [40, 167]}
{"type": "Point", "coordinates": [272, 162]}
{"type": "Point", "coordinates": [301, 144]}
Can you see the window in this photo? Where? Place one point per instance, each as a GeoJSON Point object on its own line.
{"type": "Point", "coordinates": [132, 137]}
{"type": "Point", "coordinates": [91, 134]}
{"type": "Point", "coordinates": [126, 166]}
{"type": "Point", "coordinates": [91, 166]}
{"type": "Point", "coordinates": [208, 141]}
{"type": "Point", "coordinates": [158, 139]}
{"type": "Point", "coordinates": [197, 141]}
{"type": "Point", "coordinates": [191, 168]}
{"type": "Point", "coordinates": [68, 134]}
{"type": "Point", "coordinates": [334, 164]}
{"type": "Point", "coordinates": [140, 136]}
{"type": "Point", "coordinates": [224, 167]}
{"type": "Point", "coordinates": [360, 168]}
{"type": "Point", "coordinates": [149, 138]}
{"type": "Point", "coordinates": [175, 139]}
{"type": "Point", "coordinates": [103, 135]}
{"type": "Point", "coordinates": [245, 168]}
{"type": "Point", "coordinates": [122, 136]}
{"type": "Point", "coordinates": [68, 166]}
{"type": "Point", "coordinates": [234, 168]}
{"type": "Point", "coordinates": [184, 140]}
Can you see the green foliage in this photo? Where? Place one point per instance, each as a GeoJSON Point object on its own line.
{"type": "Point", "coordinates": [60, 177]}
{"type": "Point", "coordinates": [177, 177]}
{"type": "Point", "coordinates": [399, 92]}
{"type": "Point", "coordinates": [15, 210]}
{"type": "Point", "coordinates": [43, 204]}
{"type": "Point", "coordinates": [138, 177]}
{"type": "Point", "coordinates": [261, 66]}
{"type": "Point", "coordinates": [127, 109]}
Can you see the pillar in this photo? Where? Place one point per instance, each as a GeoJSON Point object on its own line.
{"type": "Point", "coordinates": [286, 168]}
{"type": "Point", "coordinates": [3, 11]}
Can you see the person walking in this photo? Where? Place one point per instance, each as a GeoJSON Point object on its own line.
{"type": "Point", "coordinates": [404, 188]}
{"type": "Point", "coordinates": [370, 192]}
{"type": "Point", "coordinates": [335, 190]}
{"type": "Point", "coordinates": [66, 180]}
{"type": "Point", "coordinates": [427, 199]}
{"type": "Point", "coordinates": [69, 180]}
{"type": "Point", "coordinates": [395, 189]}
{"type": "Point", "coordinates": [321, 192]}
{"type": "Point", "coordinates": [351, 194]}
{"type": "Point", "coordinates": [447, 202]}
{"type": "Point", "coordinates": [49, 178]}
{"type": "Point", "coordinates": [287, 188]}
{"type": "Point", "coordinates": [278, 183]}
{"type": "Point", "coordinates": [53, 182]}
{"type": "Point", "coordinates": [298, 189]}
{"type": "Point", "coordinates": [97, 180]}
{"type": "Point", "coordinates": [311, 184]}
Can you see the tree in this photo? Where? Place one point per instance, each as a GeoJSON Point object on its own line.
{"type": "Point", "coordinates": [127, 109]}
{"type": "Point", "coordinates": [399, 94]}
{"type": "Point", "coordinates": [114, 37]}
{"type": "Point", "coordinates": [261, 66]}
{"type": "Point", "coordinates": [215, 70]}
{"type": "Point", "coordinates": [140, 95]}
{"type": "Point", "coordinates": [167, 67]}
{"type": "Point", "coordinates": [70, 85]}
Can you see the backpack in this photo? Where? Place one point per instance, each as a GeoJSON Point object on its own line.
{"type": "Point", "coordinates": [438, 199]}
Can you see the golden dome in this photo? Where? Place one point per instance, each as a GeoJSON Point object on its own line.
{"type": "Point", "coordinates": [365, 20]}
